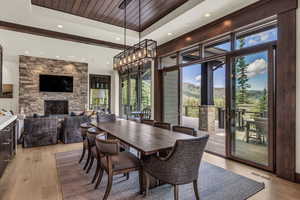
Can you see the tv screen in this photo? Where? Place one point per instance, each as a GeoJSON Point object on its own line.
{"type": "Point", "coordinates": [51, 83]}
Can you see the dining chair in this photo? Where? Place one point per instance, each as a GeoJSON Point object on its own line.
{"type": "Point", "coordinates": [83, 129]}
{"type": "Point", "coordinates": [148, 121]}
{"type": "Point", "coordinates": [163, 125]}
{"type": "Point", "coordinates": [185, 130]}
{"type": "Point", "coordinates": [115, 162]}
{"type": "Point", "coordinates": [91, 137]}
{"type": "Point", "coordinates": [180, 167]}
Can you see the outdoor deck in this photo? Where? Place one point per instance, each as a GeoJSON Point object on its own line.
{"type": "Point", "coordinates": [216, 143]}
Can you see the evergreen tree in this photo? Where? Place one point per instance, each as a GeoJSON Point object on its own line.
{"type": "Point", "coordinates": [242, 78]}
{"type": "Point", "coordinates": [262, 105]}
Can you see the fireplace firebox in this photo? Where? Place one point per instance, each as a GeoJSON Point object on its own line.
{"type": "Point", "coordinates": [56, 107]}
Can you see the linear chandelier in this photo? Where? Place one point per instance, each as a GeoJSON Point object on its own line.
{"type": "Point", "coordinates": [137, 55]}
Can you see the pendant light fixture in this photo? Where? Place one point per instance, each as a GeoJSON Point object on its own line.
{"type": "Point", "coordinates": [137, 55]}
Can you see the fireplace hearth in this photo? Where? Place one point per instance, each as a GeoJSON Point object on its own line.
{"type": "Point", "coordinates": [56, 107]}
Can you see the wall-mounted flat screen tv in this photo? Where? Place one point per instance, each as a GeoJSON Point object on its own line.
{"type": "Point", "coordinates": [52, 83]}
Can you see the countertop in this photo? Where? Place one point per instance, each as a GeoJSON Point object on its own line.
{"type": "Point", "coordinates": [6, 120]}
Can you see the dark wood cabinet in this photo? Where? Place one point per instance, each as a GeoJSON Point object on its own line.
{"type": "Point", "coordinates": [1, 70]}
{"type": "Point", "coordinates": [7, 146]}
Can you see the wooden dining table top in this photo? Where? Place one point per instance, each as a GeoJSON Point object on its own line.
{"type": "Point", "coordinates": [145, 138]}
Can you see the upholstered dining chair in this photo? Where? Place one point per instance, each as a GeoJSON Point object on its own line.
{"type": "Point", "coordinates": [163, 125]}
{"type": "Point", "coordinates": [114, 162]}
{"type": "Point", "coordinates": [148, 121]}
{"type": "Point", "coordinates": [83, 129]}
{"type": "Point", "coordinates": [180, 167]}
{"type": "Point", "coordinates": [185, 130]}
{"type": "Point", "coordinates": [92, 155]}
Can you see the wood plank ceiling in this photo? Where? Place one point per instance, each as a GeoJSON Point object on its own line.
{"type": "Point", "coordinates": [108, 11]}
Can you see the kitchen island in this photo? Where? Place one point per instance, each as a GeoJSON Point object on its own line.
{"type": "Point", "coordinates": [7, 141]}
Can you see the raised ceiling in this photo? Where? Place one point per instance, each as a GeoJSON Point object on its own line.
{"type": "Point", "coordinates": [108, 11]}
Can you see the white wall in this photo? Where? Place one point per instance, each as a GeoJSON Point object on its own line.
{"type": "Point", "coordinates": [99, 59]}
{"type": "Point", "coordinates": [298, 94]}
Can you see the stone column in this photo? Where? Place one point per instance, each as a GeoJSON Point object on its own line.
{"type": "Point", "coordinates": [207, 116]}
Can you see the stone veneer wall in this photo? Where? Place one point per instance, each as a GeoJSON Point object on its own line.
{"type": "Point", "coordinates": [31, 100]}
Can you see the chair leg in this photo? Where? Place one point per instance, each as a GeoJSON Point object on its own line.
{"type": "Point", "coordinates": [82, 155]}
{"type": "Point", "coordinates": [147, 176]}
{"type": "Point", "coordinates": [195, 183]}
{"type": "Point", "coordinates": [108, 187]}
{"type": "Point", "coordinates": [87, 160]}
{"type": "Point", "coordinates": [176, 192]}
{"type": "Point", "coordinates": [91, 165]}
{"type": "Point", "coordinates": [141, 180]}
{"type": "Point", "coordinates": [127, 176]}
{"type": "Point", "coordinates": [99, 178]}
{"type": "Point", "coordinates": [96, 172]}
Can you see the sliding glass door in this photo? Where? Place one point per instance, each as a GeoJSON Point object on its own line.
{"type": "Point", "coordinates": [251, 106]}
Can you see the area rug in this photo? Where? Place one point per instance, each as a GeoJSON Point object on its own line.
{"type": "Point", "coordinates": [215, 183]}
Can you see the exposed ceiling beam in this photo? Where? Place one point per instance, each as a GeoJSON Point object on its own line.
{"type": "Point", "coordinates": [58, 35]}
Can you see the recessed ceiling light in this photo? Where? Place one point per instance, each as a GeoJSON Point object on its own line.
{"type": "Point", "coordinates": [117, 38]}
{"type": "Point", "coordinates": [60, 26]}
{"type": "Point", "coordinates": [170, 34]}
{"type": "Point", "coordinates": [57, 57]}
{"type": "Point", "coordinates": [188, 39]}
{"type": "Point", "coordinates": [207, 15]}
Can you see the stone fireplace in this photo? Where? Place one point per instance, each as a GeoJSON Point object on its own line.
{"type": "Point", "coordinates": [56, 107]}
{"type": "Point", "coordinates": [33, 101]}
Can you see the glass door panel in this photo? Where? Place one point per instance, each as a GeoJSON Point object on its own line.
{"type": "Point", "coordinates": [133, 84]}
{"type": "Point", "coordinates": [191, 96]}
{"type": "Point", "coordinates": [146, 89]}
{"type": "Point", "coordinates": [171, 97]}
{"type": "Point", "coordinates": [124, 97]}
{"type": "Point", "coordinates": [251, 107]}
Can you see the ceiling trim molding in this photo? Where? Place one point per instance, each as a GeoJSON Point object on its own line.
{"type": "Point", "coordinates": [58, 35]}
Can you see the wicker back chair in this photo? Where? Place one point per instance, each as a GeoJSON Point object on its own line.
{"type": "Point", "coordinates": [185, 130]}
{"type": "Point", "coordinates": [148, 121]}
{"type": "Point", "coordinates": [114, 162]}
{"type": "Point", "coordinates": [180, 167]}
{"type": "Point", "coordinates": [40, 131]}
{"type": "Point", "coordinates": [163, 125]}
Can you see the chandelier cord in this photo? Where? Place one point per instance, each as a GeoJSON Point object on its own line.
{"type": "Point", "coordinates": [139, 21]}
{"type": "Point", "coordinates": [125, 24]}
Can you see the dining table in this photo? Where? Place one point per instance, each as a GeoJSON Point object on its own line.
{"type": "Point", "coordinates": [146, 139]}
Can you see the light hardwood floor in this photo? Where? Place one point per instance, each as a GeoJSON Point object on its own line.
{"type": "Point", "coordinates": [33, 176]}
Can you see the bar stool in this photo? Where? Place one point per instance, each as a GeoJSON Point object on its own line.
{"type": "Point", "coordinates": [91, 140]}
{"type": "Point", "coordinates": [83, 129]}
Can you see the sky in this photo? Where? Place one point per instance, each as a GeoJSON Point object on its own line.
{"type": "Point", "coordinates": [257, 64]}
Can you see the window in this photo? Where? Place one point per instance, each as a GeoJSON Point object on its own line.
{"type": "Point", "coordinates": [99, 92]}
{"type": "Point", "coordinates": [190, 55]}
{"type": "Point", "coordinates": [217, 48]}
{"type": "Point", "coordinates": [135, 92]}
{"type": "Point", "coordinates": [244, 40]}
{"type": "Point", "coordinates": [168, 61]}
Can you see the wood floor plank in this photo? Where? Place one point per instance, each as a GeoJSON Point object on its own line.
{"type": "Point", "coordinates": [33, 176]}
